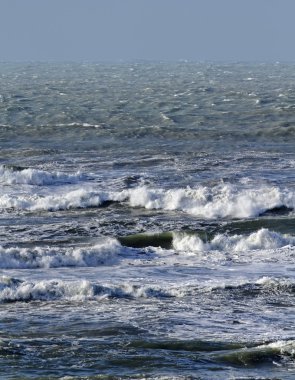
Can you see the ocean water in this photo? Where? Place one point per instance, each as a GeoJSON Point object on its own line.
{"type": "Point", "coordinates": [147, 221]}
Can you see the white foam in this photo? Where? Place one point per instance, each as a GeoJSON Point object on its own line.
{"type": "Point", "coordinates": [91, 125]}
{"type": "Point", "coordinates": [272, 286]}
{"type": "Point", "coordinates": [36, 177]}
{"type": "Point", "coordinates": [220, 201]}
{"type": "Point", "coordinates": [275, 283]}
{"type": "Point", "coordinates": [105, 252]}
{"type": "Point", "coordinates": [189, 243]}
{"type": "Point", "coordinates": [129, 290]}
{"type": "Point", "coordinates": [79, 125]}
{"type": "Point", "coordinates": [285, 347]}
{"type": "Point", "coordinates": [260, 240]}
{"type": "Point", "coordinates": [80, 198]}
{"type": "Point", "coordinates": [12, 290]}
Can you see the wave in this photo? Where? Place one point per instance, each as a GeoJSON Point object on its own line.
{"type": "Point", "coordinates": [144, 240]}
{"type": "Point", "coordinates": [14, 290]}
{"type": "Point", "coordinates": [104, 253]}
{"type": "Point", "coordinates": [12, 175]}
{"type": "Point", "coordinates": [110, 250]}
{"type": "Point", "coordinates": [281, 347]}
{"type": "Point", "coordinates": [273, 354]}
{"type": "Point", "coordinates": [262, 239]}
{"type": "Point", "coordinates": [271, 287]}
{"type": "Point", "coordinates": [285, 130]}
{"type": "Point", "coordinates": [219, 201]}
{"type": "Point", "coordinates": [240, 354]}
{"type": "Point", "coordinates": [80, 198]}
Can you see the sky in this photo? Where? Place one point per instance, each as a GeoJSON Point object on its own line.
{"type": "Point", "coordinates": [128, 30]}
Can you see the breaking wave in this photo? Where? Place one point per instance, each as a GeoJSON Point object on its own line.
{"type": "Point", "coordinates": [220, 201]}
{"type": "Point", "coordinates": [13, 290]}
{"type": "Point", "coordinates": [79, 198]}
{"type": "Point", "coordinates": [106, 252]}
{"type": "Point", "coordinates": [259, 240]}
{"type": "Point", "coordinates": [12, 175]}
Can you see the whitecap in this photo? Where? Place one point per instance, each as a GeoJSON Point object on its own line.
{"type": "Point", "coordinates": [79, 198]}
{"type": "Point", "coordinates": [28, 176]}
{"type": "Point", "coordinates": [220, 201]}
{"type": "Point", "coordinates": [263, 239]}
{"type": "Point", "coordinates": [14, 290]}
{"type": "Point", "coordinates": [105, 252]}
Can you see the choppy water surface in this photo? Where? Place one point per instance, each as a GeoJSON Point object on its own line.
{"type": "Point", "coordinates": [147, 221]}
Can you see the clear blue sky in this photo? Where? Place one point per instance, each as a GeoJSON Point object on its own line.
{"type": "Point", "coordinates": [113, 30]}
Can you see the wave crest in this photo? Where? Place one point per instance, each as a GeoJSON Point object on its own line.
{"type": "Point", "coordinates": [105, 252]}
{"type": "Point", "coordinates": [12, 175]}
{"type": "Point", "coordinates": [259, 240]}
{"type": "Point", "coordinates": [221, 201]}
{"type": "Point", "coordinates": [15, 290]}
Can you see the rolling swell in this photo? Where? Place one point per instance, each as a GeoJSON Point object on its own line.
{"type": "Point", "coordinates": [186, 345]}
{"type": "Point", "coordinates": [272, 354]}
{"type": "Point", "coordinates": [241, 354]}
{"type": "Point", "coordinates": [281, 131]}
{"type": "Point", "coordinates": [285, 225]}
{"type": "Point", "coordinates": [163, 240]}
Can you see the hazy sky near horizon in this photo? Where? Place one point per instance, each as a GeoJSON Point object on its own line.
{"type": "Point", "coordinates": [114, 30]}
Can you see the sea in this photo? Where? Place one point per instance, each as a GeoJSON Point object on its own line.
{"type": "Point", "coordinates": [147, 223]}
